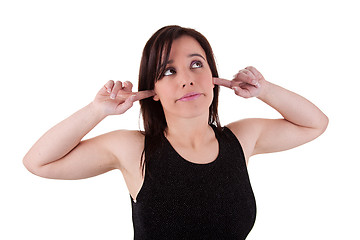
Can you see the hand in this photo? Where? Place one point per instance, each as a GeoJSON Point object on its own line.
{"type": "Point", "coordinates": [117, 98]}
{"type": "Point", "coordinates": [247, 83]}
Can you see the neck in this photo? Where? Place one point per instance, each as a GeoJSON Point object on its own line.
{"type": "Point", "coordinates": [189, 132]}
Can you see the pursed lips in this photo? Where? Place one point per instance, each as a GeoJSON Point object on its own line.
{"type": "Point", "coordinates": [189, 96]}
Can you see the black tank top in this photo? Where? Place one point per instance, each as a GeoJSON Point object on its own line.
{"type": "Point", "coordinates": [184, 200]}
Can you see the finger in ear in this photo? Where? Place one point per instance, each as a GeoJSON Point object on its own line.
{"type": "Point", "coordinates": [156, 97]}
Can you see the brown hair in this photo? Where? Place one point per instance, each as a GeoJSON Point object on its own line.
{"type": "Point", "coordinates": [153, 63]}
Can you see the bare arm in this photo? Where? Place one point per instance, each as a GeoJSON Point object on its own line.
{"type": "Point", "coordinates": [302, 120]}
{"type": "Point", "coordinates": [61, 153]}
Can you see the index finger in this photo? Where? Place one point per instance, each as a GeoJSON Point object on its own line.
{"type": "Point", "coordinates": [143, 94]}
{"type": "Point", "coordinates": [222, 82]}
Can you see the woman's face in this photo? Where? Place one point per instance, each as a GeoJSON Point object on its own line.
{"type": "Point", "coordinates": [186, 89]}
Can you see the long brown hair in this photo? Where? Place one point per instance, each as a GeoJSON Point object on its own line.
{"type": "Point", "coordinates": [153, 63]}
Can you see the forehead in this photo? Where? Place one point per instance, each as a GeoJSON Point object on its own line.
{"type": "Point", "coordinates": [185, 45]}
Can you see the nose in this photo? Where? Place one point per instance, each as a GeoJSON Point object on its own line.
{"type": "Point", "coordinates": [191, 84]}
{"type": "Point", "coordinates": [186, 80]}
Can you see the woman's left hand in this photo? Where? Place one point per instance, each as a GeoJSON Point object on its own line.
{"type": "Point", "coordinates": [247, 83]}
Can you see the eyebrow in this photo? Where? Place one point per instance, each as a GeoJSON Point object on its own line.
{"type": "Point", "coordinates": [196, 54]}
{"type": "Point", "coordinates": [190, 55]}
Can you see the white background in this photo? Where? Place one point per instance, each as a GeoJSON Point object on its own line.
{"type": "Point", "coordinates": [55, 55]}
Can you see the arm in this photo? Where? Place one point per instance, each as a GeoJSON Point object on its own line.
{"type": "Point", "coordinates": [302, 121]}
{"type": "Point", "coordinates": [61, 154]}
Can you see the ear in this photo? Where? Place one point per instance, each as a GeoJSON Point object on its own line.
{"type": "Point", "coordinates": [156, 97]}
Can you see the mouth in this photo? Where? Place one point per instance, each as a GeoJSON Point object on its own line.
{"type": "Point", "coordinates": [189, 97]}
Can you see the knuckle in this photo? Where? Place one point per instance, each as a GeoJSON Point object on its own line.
{"type": "Point", "coordinates": [128, 84]}
{"type": "Point", "coordinates": [109, 83]}
{"type": "Point", "coordinates": [118, 84]}
{"type": "Point", "coordinates": [249, 67]}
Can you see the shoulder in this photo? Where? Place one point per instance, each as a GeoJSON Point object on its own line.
{"type": "Point", "coordinates": [247, 132]}
{"type": "Point", "coordinates": [126, 145]}
{"type": "Point", "coordinates": [125, 136]}
{"type": "Point", "coordinates": [245, 126]}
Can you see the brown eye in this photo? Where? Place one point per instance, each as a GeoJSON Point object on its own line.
{"type": "Point", "coordinates": [169, 71]}
{"type": "Point", "coordinates": [196, 64]}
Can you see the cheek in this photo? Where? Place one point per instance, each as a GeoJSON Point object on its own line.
{"type": "Point", "coordinates": [158, 91]}
{"type": "Point", "coordinates": [162, 92]}
{"type": "Point", "coordinates": [207, 81]}
{"type": "Point", "coordinates": [207, 76]}
{"type": "Point", "coordinates": [209, 84]}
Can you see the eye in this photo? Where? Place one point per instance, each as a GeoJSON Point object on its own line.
{"type": "Point", "coordinates": [169, 71]}
{"type": "Point", "coordinates": [196, 64]}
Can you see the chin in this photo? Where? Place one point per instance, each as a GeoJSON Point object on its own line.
{"type": "Point", "coordinates": [190, 109]}
{"type": "Point", "coordinates": [193, 112]}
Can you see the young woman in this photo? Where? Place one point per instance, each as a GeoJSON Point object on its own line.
{"type": "Point", "coordinates": [186, 174]}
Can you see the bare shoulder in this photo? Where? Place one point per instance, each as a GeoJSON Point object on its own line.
{"type": "Point", "coordinates": [126, 145]}
{"type": "Point", "coordinates": [125, 136]}
{"type": "Point", "coordinates": [247, 132]}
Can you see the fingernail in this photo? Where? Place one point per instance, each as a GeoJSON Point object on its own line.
{"type": "Point", "coordinates": [112, 96]}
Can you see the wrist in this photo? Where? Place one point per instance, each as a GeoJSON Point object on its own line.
{"type": "Point", "coordinates": [96, 111]}
{"type": "Point", "coordinates": [265, 90]}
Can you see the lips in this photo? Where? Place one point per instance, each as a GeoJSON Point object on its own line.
{"type": "Point", "coordinates": [189, 96]}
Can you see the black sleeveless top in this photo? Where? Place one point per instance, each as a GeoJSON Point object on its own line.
{"type": "Point", "coordinates": [184, 200]}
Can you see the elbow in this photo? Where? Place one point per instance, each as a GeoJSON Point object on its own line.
{"type": "Point", "coordinates": [28, 165]}
{"type": "Point", "coordinates": [31, 166]}
{"type": "Point", "coordinates": [44, 171]}
{"type": "Point", "coordinates": [323, 124]}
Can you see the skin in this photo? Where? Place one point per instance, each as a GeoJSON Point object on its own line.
{"type": "Point", "coordinates": [62, 154]}
{"type": "Point", "coordinates": [188, 131]}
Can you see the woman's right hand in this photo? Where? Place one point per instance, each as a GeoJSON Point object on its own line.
{"type": "Point", "coordinates": [62, 154]}
{"type": "Point", "coordinates": [117, 97]}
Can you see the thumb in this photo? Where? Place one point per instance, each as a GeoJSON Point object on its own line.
{"type": "Point", "coordinates": [121, 108]}
{"type": "Point", "coordinates": [241, 92]}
